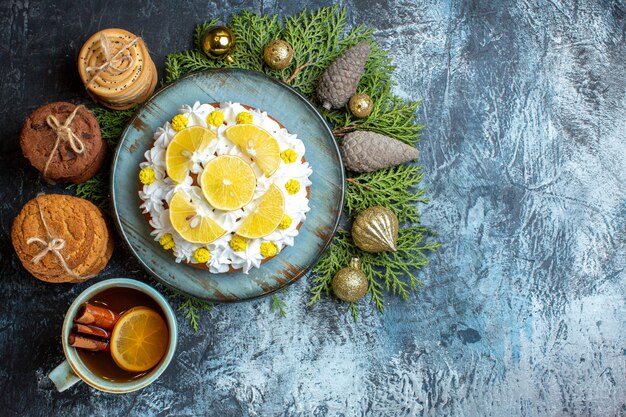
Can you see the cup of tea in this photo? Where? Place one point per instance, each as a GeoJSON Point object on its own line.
{"type": "Point", "coordinates": [118, 336]}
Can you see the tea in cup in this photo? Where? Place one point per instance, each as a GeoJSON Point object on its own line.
{"type": "Point", "coordinates": [118, 336]}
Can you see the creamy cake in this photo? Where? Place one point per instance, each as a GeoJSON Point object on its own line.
{"type": "Point", "coordinates": [243, 176]}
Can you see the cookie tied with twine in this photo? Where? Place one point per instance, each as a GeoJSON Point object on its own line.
{"type": "Point", "coordinates": [60, 238]}
{"type": "Point", "coordinates": [63, 141]}
{"type": "Point", "coordinates": [64, 133]}
{"type": "Point", "coordinates": [116, 68]}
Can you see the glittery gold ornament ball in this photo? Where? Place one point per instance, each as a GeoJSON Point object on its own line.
{"type": "Point", "coordinates": [350, 283]}
{"type": "Point", "coordinates": [218, 42]}
{"type": "Point", "coordinates": [375, 229]}
{"type": "Point", "coordinates": [278, 54]}
{"type": "Point", "coordinates": [361, 105]}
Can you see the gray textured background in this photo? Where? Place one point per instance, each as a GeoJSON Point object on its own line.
{"type": "Point", "coordinates": [524, 310]}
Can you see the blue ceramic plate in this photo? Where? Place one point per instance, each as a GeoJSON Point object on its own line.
{"type": "Point", "coordinates": [290, 109]}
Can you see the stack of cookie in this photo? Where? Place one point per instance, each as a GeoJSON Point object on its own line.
{"type": "Point", "coordinates": [116, 68]}
{"type": "Point", "coordinates": [59, 238]}
{"type": "Point", "coordinates": [63, 142]}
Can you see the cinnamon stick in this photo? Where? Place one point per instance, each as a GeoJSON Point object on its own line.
{"type": "Point", "coordinates": [83, 342]}
{"type": "Point", "coordinates": [96, 316]}
{"type": "Point", "coordinates": [91, 331]}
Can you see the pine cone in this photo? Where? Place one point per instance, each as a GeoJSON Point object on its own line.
{"type": "Point", "coordinates": [363, 151]}
{"type": "Point", "coordinates": [341, 78]}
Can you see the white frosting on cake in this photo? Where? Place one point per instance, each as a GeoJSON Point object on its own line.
{"type": "Point", "coordinates": [154, 196]}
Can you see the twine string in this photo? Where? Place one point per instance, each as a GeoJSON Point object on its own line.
{"type": "Point", "coordinates": [113, 62]}
{"type": "Point", "coordinates": [64, 133]}
{"type": "Point", "coordinates": [50, 245]}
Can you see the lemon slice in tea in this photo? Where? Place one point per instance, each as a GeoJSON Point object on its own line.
{"type": "Point", "coordinates": [139, 339]}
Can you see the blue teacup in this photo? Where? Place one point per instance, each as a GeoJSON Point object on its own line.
{"type": "Point", "coordinates": [73, 369]}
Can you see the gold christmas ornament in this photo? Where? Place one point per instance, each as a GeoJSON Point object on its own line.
{"type": "Point", "coordinates": [361, 105]}
{"type": "Point", "coordinates": [278, 54]}
{"type": "Point", "coordinates": [218, 42]}
{"type": "Point", "coordinates": [375, 230]}
{"type": "Point", "coordinates": [350, 283]}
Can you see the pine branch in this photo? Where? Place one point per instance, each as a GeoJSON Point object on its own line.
{"type": "Point", "coordinates": [199, 30]}
{"type": "Point", "coordinates": [336, 257]}
{"type": "Point", "coordinates": [172, 69]}
{"type": "Point", "coordinates": [192, 308]}
{"type": "Point", "coordinates": [375, 290]}
{"type": "Point", "coordinates": [253, 32]}
{"type": "Point", "coordinates": [396, 188]}
{"type": "Point", "coordinates": [95, 189]}
{"type": "Point", "coordinates": [181, 63]}
{"type": "Point", "coordinates": [354, 310]}
{"type": "Point", "coordinates": [316, 38]}
{"type": "Point", "coordinates": [278, 305]}
{"type": "Point", "coordinates": [392, 269]}
{"type": "Point", "coordinates": [390, 116]}
{"type": "Point", "coordinates": [112, 123]}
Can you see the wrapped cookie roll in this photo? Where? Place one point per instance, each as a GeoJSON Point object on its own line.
{"type": "Point", "coordinates": [116, 68]}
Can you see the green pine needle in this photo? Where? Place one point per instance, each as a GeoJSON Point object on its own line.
{"type": "Point", "coordinates": [336, 257]}
{"type": "Point", "coordinates": [112, 123]}
{"type": "Point", "coordinates": [192, 308]}
{"type": "Point", "coordinates": [354, 310]}
{"type": "Point", "coordinates": [95, 189]}
{"type": "Point", "coordinates": [395, 270]}
{"type": "Point", "coordinates": [278, 306]}
{"type": "Point", "coordinates": [184, 62]}
{"type": "Point", "coordinates": [316, 38]}
{"type": "Point", "coordinates": [199, 30]}
{"type": "Point", "coordinates": [252, 33]}
{"type": "Point", "coordinates": [394, 188]}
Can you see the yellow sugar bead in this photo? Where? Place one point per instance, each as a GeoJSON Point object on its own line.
{"type": "Point", "coordinates": [292, 186]}
{"type": "Point", "coordinates": [244, 118]}
{"type": "Point", "coordinates": [289, 156]}
{"type": "Point", "coordinates": [202, 255]}
{"type": "Point", "coordinates": [238, 243]}
{"type": "Point", "coordinates": [179, 122]}
{"type": "Point", "coordinates": [268, 249]}
{"type": "Point", "coordinates": [167, 241]}
{"type": "Point", "coordinates": [285, 222]}
{"type": "Point", "coordinates": [215, 118]}
{"type": "Point", "coordinates": [146, 176]}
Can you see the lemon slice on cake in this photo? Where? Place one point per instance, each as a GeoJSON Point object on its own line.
{"type": "Point", "coordinates": [228, 182]}
{"type": "Point", "coordinates": [190, 218]}
{"type": "Point", "coordinates": [265, 217]}
{"type": "Point", "coordinates": [180, 151]}
{"type": "Point", "coordinates": [258, 144]}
